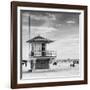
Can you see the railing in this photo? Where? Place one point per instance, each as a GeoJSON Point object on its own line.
{"type": "Point", "coordinates": [43, 53]}
{"type": "Point", "coordinates": [50, 53]}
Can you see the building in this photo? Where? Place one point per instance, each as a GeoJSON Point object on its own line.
{"type": "Point", "coordinates": [40, 57]}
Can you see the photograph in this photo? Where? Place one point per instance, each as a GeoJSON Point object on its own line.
{"type": "Point", "coordinates": [50, 44]}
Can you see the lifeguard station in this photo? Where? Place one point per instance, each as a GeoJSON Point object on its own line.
{"type": "Point", "coordinates": [40, 57]}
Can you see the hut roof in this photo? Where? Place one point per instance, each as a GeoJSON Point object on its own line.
{"type": "Point", "coordinates": [39, 39]}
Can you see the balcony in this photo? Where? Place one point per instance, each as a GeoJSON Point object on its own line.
{"type": "Point", "coordinates": [43, 53]}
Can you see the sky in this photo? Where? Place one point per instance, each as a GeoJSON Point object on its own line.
{"type": "Point", "coordinates": [62, 27]}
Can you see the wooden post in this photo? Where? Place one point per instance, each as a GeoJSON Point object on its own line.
{"type": "Point", "coordinates": [34, 63]}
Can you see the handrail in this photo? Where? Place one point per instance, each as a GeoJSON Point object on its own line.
{"type": "Point", "coordinates": [43, 53]}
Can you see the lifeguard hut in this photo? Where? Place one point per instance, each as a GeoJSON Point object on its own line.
{"type": "Point", "coordinates": [40, 57]}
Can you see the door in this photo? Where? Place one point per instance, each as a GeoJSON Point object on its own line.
{"type": "Point", "coordinates": [43, 49]}
{"type": "Point", "coordinates": [42, 64]}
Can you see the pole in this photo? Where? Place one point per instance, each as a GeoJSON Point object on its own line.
{"type": "Point", "coordinates": [29, 30]}
{"type": "Point", "coordinates": [29, 62]}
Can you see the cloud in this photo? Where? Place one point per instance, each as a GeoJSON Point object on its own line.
{"type": "Point", "coordinates": [39, 19]}
{"type": "Point", "coordinates": [49, 17]}
{"type": "Point", "coordinates": [52, 16]}
{"type": "Point", "coordinates": [25, 14]}
{"type": "Point", "coordinates": [70, 22]}
{"type": "Point", "coordinates": [42, 29]}
{"type": "Point", "coordinates": [40, 16]}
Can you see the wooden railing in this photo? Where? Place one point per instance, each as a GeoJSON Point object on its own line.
{"type": "Point", "coordinates": [43, 53]}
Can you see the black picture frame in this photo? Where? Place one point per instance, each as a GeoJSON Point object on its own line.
{"type": "Point", "coordinates": [14, 5]}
